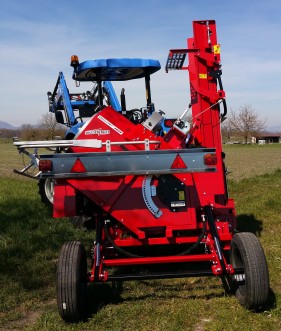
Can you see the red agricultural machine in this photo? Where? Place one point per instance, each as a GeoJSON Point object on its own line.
{"type": "Point", "coordinates": [159, 202]}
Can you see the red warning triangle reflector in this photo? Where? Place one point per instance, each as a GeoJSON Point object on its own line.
{"type": "Point", "coordinates": [78, 166]}
{"type": "Point", "coordinates": [178, 163]}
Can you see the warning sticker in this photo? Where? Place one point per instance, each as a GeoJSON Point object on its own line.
{"type": "Point", "coordinates": [203, 76]}
{"type": "Point", "coordinates": [181, 195]}
{"type": "Point", "coordinates": [217, 49]}
{"type": "Point", "coordinates": [104, 120]}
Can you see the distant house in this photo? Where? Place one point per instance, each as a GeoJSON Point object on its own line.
{"type": "Point", "coordinates": [267, 138]}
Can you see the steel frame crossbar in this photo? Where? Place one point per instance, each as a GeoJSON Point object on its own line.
{"type": "Point", "coordinates": [158, 260]}
{"type": "Point", "coordinates": [129, 163]}
{"type": "Point", "coordinates": [90, 143]}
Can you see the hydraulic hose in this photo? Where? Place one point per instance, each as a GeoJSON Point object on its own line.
{"type": "Point", "coordinates": [121, 250]}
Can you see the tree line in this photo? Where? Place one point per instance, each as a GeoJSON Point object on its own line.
{"type": "Point", "coordinates": [47, 128]}
{"type": "Point", "coordinates": [240, 125]}
{"type": "Point", "coordinates": [243, 125]}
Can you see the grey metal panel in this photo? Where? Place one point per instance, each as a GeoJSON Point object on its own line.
{"type": "Point", "coordinates": [129, 163]}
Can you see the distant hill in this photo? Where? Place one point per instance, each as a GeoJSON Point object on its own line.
{"type": "Point", "coordinates": [7, 126]}
{"type": "Point", "coordinates": [275, 128]}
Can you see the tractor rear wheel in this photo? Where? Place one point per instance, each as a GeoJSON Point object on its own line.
{"type": "Point", "coordinates": [72, 282]}
{"type": "Point", "coordinates": [251, 287]}
{"type": "Point", "coordinates": [46, 191]}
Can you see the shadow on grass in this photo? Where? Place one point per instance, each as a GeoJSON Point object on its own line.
{"type": "Point", "coordinates": [271, 303]}
{"type": "Point", "coordinates": [249, 223]}
{"type": "Point", "coordinates": [101, 295]}
{"type": "Point", "coordinates": [113, 293]}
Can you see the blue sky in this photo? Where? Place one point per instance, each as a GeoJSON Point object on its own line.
{"type": "Point", "coordinates": [38, 37]}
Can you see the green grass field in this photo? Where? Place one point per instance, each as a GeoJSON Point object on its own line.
{"type": "Point", "coordinates": [30, 240]}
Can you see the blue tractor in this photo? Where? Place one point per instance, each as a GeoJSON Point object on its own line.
{"type": "Point", "coordinates": [74, 110]}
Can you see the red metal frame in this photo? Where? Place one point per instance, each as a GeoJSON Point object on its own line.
{"type": "Point", "coordinates": [124, 221]}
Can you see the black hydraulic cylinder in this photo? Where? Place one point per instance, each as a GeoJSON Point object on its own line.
{"type": "Point", "coordinates": [123, 101]}
{"type": "Point", "coordinates": [214, 233]}
{"type": "Point", "coordinates": [99, 221]}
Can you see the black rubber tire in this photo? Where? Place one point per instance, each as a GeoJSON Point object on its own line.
{"type": "Point", "coordinates": [252, 287]}
{"type": "Point", "coordinates": [72, 282]}
{"type": "Point", "coordinates": [45, 187]}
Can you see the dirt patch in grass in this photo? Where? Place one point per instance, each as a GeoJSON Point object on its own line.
{"type": "Point", "coordinates": [201, 325]}
{"type": "Point", "coordinates": [27, 317]}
